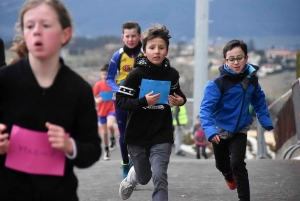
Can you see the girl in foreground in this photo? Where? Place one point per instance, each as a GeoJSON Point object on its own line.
{"type": "Point", "coordinates": [47, 112]}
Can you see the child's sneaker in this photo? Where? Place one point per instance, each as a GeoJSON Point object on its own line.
{"type": "Point", "coordinates": [231, 182]}
{"type": "Point", "coordinates": [126, 187]}
{"type": "Point", "coordinates": [125, 169]}
{"type": "Point", "coordinates": [112, 144]}
{"type": "Point", "coordinates": [106, 156]}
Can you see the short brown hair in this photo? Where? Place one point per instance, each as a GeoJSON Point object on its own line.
{"type": "Point", "coordinates": [235, 43]}
{"type": "Point", "coordinates": [156, 31]}
{"type": "Point", "coordinates": [131, 25]}
{"type": "Point", "coordinates": [104, 67]}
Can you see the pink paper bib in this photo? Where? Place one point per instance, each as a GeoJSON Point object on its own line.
{"type": "Point", "coordinates": [30, 151]}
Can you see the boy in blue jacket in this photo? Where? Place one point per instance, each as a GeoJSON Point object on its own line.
{"type": "Point", "coordinates": [225, 117]}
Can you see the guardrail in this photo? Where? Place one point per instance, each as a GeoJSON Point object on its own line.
{"type": "Point", "coordinates": [288, 122]}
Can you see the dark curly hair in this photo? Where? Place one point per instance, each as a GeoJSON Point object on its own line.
{"type": "Point", "coordinates": [156, 31]}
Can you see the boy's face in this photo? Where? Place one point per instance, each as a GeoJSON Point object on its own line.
{"type": "Point", "coordinates": [236, 59]}
{"type": "Point", "coordinates": [156, 51]}
{"type": "Point", "coordinates": [103, 75]}
{"type": "Point", "coordinates": [131, 38]}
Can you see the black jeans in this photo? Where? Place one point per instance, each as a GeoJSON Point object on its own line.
{"type": "Point", "coordinates": [236, 148]}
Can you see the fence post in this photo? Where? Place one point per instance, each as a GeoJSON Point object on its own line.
{"type": "Point", "coordinates": [298, 65]}
{"type": "Point", "coordinates": [261, 143]}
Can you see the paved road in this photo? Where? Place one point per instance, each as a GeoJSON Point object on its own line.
{"type": "Point", "coordinates": [191, 180]}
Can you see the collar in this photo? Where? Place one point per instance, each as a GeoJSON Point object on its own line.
{"type": "Point", "coordinates": [134, 50]}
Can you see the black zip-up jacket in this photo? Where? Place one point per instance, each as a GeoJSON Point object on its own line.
{"type": "Point", "coordinates": [147, 125]}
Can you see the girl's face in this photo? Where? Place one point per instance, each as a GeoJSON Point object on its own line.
{"type": "Point", "coordinates": [236, 59]}
{"type": "Point", "coordinates": [156, 51]}
{"type": "Point", "coordinates": [131, 38]}
{"type": "Point", "coordinates": [43, 32]}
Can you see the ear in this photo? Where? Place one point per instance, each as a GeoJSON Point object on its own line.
{"type": "Point", "coordinates": [246, 58]}
{"type": "Point", "coordinates": [224, 60]}
{"type": "Point", "coordinates": [66, 35]}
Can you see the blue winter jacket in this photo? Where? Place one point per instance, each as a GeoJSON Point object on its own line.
{"type": "Point", "coordinates": [226, 102]}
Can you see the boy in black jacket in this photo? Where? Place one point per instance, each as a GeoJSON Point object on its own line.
{"type": "Point", "coordinates": [149, 132]}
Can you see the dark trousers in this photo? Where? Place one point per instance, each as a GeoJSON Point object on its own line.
{"type": "Point", "coordinates": [121, 117]}
{"type": "Point", "coordinates": [203, 148]}
{"type": "Point", "coordinates": [236, 148]}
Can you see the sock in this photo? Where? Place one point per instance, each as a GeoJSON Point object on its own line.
{"type": "Point", "coordinates": [106, 149]}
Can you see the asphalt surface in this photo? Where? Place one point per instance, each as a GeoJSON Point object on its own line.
{"type": "Point", "coordinates": [191, 179]}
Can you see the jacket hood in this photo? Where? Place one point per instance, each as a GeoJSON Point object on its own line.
{"type": "Point", "coordinates": [249, 72]}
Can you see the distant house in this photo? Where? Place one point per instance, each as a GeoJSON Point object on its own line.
{"type": "Point", "coordinates": [254, 58]}
{"type": "Point", "coordinates": [285, 54]}
{"type": "Point", "coordinates": [267, 68]}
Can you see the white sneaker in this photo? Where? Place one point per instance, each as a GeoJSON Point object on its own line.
{"type": "Point", "coordinates": [126, 187]}
{"type": "Point", "coordinates": [106, 156]}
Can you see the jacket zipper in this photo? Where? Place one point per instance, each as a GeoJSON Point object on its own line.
{"type": "Point", "coordinates": [238, 121]}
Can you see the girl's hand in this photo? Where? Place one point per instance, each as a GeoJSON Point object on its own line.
{"type": "Point", "coordinates": [152, 99]}
{"type": "Point", "coordinates": [175, 100]}
{"type": "Point", "coordinates": [4, 142]}
{"type": "Point", "coordinates": [58, 138]}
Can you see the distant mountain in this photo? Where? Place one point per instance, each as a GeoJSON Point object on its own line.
{"type": "Point", "coordinates": [242, 19]}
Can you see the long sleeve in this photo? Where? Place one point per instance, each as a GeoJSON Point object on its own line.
{"type": "Point", "coordinates": [260, 107]}
{"type": "Point", "coordinates": [112, 72]}
{"type": "Point", "coordinates": [127, 96]}
{"type": "Point", "coordinates": [211, 97]}
{"type": "Point", "coordinates": [87, 140]}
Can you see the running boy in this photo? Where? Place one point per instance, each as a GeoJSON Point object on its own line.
{"type": "Point", "coordinates": [225, 117]}
{"type": "Point", "coordinates": [106, 111]}
{"type": "Point", "coordinates": [120, 65]}
{"type": "Point", "coordinates": [149, 132]}
{"type": "Point", "coordinates": [47, 109]}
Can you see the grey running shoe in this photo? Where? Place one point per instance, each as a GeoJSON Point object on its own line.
{"type": "Point", "coordinates": [126, 188]}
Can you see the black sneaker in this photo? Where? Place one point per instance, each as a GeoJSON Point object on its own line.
{"type": "Point", "coordinates": [112, 145]}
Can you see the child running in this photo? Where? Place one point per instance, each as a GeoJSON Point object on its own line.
{"type": "Point", "coordinates": [149, 132]}
{"type": "Point", "coordinates": [225, 116]}
{"type": "Point", "coordinates": [47, 112]}
{"type": "Point", "coordinates": [106, 111]}
{"type": "Point", "coordinates": [120, 65]}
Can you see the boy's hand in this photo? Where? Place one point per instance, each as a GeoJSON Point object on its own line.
{"type": "Point", "coordinates": [175, 100]}
{"type": "Point", "coordinates": [58, 138]}
{"type": "Point", "coordinates": [4, 142]}
{"type": "Point", "coordinates": [216, 139]}
{"type": "Point", "coordinates": [98, 100]}
{"type": "Point", "coordinates": [152, 99]}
